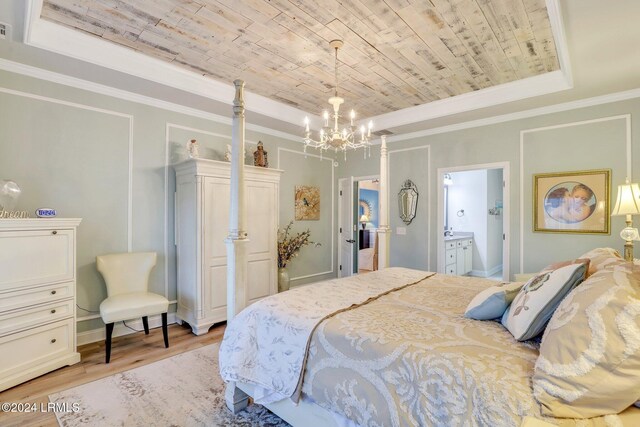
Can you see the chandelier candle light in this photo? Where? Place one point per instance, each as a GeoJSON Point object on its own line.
{"type": "Point", "coordinates": [348, 137]}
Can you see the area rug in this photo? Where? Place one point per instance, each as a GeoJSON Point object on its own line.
{"type": "Point", "coordinates": [183, 390]}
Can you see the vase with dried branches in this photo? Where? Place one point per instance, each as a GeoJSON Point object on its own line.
{"type": "Point", "coordinates": [289, 246]}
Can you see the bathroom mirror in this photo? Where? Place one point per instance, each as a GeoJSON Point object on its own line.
{"type": "Point", "coordinates": [408, 201]}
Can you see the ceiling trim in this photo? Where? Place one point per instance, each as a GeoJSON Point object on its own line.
{"type": "Point", "coordinates": [76, 44]}
{"type": "Point", "coordinates": [542, 84]}
{"type": "Point", "coordinates": [534, 112]}
{"type": "Point", "coordinates": [65, 41]}
{"type": "Point", "coordinates": [63, 79]}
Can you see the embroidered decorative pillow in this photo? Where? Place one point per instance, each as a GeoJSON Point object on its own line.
{"type": "Point", "coordinates": [537, 300]}
{"type": "Point", "coordinates": [601, 258]}
{"type": "Point", "coordinates": [492, 302]}
{"type": "Point", "coordinates": [589, 363]}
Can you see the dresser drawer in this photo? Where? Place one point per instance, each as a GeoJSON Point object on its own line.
{"type": "Point", "coordinates": [38, 295]}
{"type": "Point", "coordinates": [451, 244]}
{"type": "Point", "coordinates": [24, 350]}
{"type": "Point", "coordinates": [36, 257]}
{"type": "Point", "coordinates": [17, 320]}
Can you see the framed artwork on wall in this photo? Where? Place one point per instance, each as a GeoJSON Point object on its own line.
{"type": "Point", "coordinates": [572, 202]}
{"type": "Point", "coordinates": [307, 203]}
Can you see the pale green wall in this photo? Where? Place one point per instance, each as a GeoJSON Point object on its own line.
{"type": "Point", "coordinates": [75, 158]}
{"type": "Point", "coordinates": [601, 145]}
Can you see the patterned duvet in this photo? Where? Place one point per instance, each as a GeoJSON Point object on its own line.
{"type": "Point", "coordinates": [410, 358]}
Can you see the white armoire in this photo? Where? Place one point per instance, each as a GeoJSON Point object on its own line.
{"type": "Point", "coordinates": [202, 225]}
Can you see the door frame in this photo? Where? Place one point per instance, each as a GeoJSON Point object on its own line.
{"type": "Point", "coordinates": [341, 206]}
{"type": "Point", "coordinates": [506, 211]}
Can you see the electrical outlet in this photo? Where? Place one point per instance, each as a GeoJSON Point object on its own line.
{"type": "Point", "coordinates": [5, 31]}
{"type": "Point", "coordinates": [401, 231]}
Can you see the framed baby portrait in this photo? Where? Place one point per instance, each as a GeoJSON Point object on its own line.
{"type": "Point", "coordinates": [572, 202]}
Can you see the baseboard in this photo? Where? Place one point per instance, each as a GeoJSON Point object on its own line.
{"type": "Point", "coordinates": [99, 334]}
{"type": "Point", "coordinates": [486, 273]}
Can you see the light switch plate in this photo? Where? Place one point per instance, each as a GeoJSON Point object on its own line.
{"type": "Point", "coordinates": [401, 231]}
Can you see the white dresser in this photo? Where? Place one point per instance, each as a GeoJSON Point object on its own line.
{"type": "Point", "coordinates": [37, 297]}
{"type": "Point", "coordinates": [459, 254]}
{"type": "Point", "coordinates": [202, 225]}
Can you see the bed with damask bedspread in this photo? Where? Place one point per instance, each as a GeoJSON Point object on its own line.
{"type": "Point", "coordinates": [389, 348]}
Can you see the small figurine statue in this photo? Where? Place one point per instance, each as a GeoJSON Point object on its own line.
{"type": "Point", "coordinates": [260, 156]}
{"type": "Point", "coordinates": [227, 155]}
{"type": "Point", "coordinates": [192, 149]}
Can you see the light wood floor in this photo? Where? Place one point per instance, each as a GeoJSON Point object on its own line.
{"type": "Point", "coordinates": [128, 352]}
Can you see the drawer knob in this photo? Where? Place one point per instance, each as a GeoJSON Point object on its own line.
{"type": "Point", "coordinates": [53, 292]}
{"type": "Point", "coordinates": [53, 341]}
{"type": "Point", "coordinates": [54, 232]}
{"type": "Point", "coordinates": [53, 311]}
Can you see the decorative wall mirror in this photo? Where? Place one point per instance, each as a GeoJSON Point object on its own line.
{"type": "Point", "coordinates": [408, 201]}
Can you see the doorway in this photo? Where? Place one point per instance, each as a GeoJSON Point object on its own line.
{"type": "Point", "coordinates": [358, 223]}
{"type": "Point", "coordinates": [473, 219]}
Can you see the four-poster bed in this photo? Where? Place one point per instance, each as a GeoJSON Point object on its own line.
{"type": "Point", "coordinates": [390, 347]}
{"type": "Point", "coordinates": [237, 394]}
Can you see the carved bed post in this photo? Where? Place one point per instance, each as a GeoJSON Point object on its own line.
{"type": "Point", "coordinates": [237, 239]}
{"type": "Point", "coordinates": [384, 232]}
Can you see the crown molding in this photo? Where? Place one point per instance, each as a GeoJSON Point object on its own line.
{"type": "Point", "coordinates": [63, 79]}
{"type": "Point", "coordinates": [550, 109]}
{"type": "Point", "coordinates": [59, 39]}
{"type": "Point", "coordinates": [543, 84]}
{"type": "Point", "coordinates": [530, 87]}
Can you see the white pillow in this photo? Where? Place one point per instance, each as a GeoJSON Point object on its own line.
{"type": "Point", "coordinates": [534, 305]}
{"type": "Point", "coordinates": [589, 363]}
{"type": "Point", "coordinates": [602, 258]}
{"type": "Point", "coordinates": [492, 302]}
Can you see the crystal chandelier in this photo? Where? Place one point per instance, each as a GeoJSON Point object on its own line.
{"type": "Point", "coordinates": [332, 137]}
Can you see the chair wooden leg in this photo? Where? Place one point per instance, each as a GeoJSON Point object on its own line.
{"type": "Point", "coordinates": [108, 341]}
{"type": "Point", "coordinates": [165, 332]}
{"type": "Point", "coordinates": [145, 323]}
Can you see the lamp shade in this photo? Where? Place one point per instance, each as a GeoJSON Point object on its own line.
{"type": "Point", "coordinates": [627, 200]}
{"type": "Point", "coordinates": [364, 218]}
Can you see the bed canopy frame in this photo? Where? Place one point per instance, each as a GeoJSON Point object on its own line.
{"type": "Point", "coordinates": [237, 395]}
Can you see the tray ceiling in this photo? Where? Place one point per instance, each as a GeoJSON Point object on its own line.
{"type": "Point", "coordinates": [397, 53]}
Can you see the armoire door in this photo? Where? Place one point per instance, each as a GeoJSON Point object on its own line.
{"type": "Point", "coordinates": [262, 228]}
{"type": "Point", "coordinates": [215, 227]}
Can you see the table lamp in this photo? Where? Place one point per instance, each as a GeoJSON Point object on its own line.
{"type": "Point", "coordinates": [628, 203]}
{"type": "Point", "coordinates": [364, 220]}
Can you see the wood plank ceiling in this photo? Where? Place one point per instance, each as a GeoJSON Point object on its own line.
{"type": "Point", "coordinates": [397, 53]}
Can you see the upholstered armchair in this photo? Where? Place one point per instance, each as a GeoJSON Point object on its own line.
{"type": "Point", "coordinates": [127, 278]}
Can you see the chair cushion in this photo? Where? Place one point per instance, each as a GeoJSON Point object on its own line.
{"type": "Point", "coordinates": [132, 305]}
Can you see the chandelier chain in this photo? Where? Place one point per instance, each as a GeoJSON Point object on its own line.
{"type": "Point", "coordinates": [336, 72]}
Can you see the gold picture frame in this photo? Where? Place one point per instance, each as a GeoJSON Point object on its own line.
{"type": "Point", "coordinates": [307, 203]}
{"type": "Point", "coordinates": [572, 202]}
